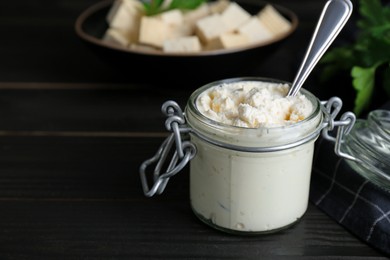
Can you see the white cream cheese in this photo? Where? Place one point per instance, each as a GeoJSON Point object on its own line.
{"type": "Point", "coordinates": [236, 190]}
{"type": "Point", "coordinates": [253, 104]}
{"type": "Point", "coordinates": [249, 191]}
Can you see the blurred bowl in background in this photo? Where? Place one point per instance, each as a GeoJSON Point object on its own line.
{"type": "Point", "coordinates": [177, 69]}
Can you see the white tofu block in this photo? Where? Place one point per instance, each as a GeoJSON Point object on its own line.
{"type": "Point", "coordinates": [141, 47]}
{"type": "Point", "coordinates": [172, 17]}
{"type": "Point", "coordinates": [131, 6]}
{"type": "Point", "coordinates": [234, 16]}
{"type": "Point", "coordinates": [182, 45]}
{"type": "Point", "coordinates": [116, 36]}
{"type": "Point", "coordinates": [210, 27]}
{"type": "Point", "coordinates": [181, 30]}
{"type": "Point", "coordinates": [233, 40]}
{"type": "Point", "coordinates": [273, 20]}
{"type": "Point", "coordinates": [213, 45]}
{"type": "Point", "coordinates": [256, 31]}
{"type": "Point", "coordinates": [153, 31]}
{"type": "Point", "coordinates": [219, 6]}
{"type": "Point", "coordinates": [121, 20]}
{"type": "Point", "coordinates": [125, 16]}
{"type": "Point", "coordinates": [116, 5]}
{"type": "Point", "coordinates": [190, 17]}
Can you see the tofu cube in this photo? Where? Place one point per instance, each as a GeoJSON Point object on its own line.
{"type": "Point", "coordinates": [181, 30]}
{"type": "Point", "coordinates": [125, 15]}
{"type": "Point", "coordinates": [234, 16]}
{"type": "Point", "coordinates": [233, 40]}
{"type": "Point", "coordinates": [219, 6]}
{"type": "Point", "coordinates": [212, 45]}
{"type": "Point", "coordinates": [119, 8]}
{"type": "Point", "coordinates": [142, 48]}
{"type": "Point", "coordinates": [210, 28]}
{"type": "Point", "coordinates": [172, 17]}
{"type": "Point", "coordinates": [227, 40]}
{"type": "Point", "coordinates": [192, 16]}
{"type": "Point", "coordinates": [256, 31]}
{"type": "Point", "coordinates": [182, 45]}
{"type": "Point", "coordinates": [116, 36]}
{"type": "Point", "coordinates": [177, 27]}
{"type": "Point", "coordinates": [153, 31]}
{"type": "Point", "coordinates": [273, 20]}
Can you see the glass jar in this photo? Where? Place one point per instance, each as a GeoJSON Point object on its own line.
{"type": "Point", "coordinates": [243, 180]}
{"type": "Point", "coordinates": [369, 145]}
{"type": "Point", "coordinates": [251, 179]}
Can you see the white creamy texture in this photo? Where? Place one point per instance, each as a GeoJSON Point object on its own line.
{"type": "Point", "coordinates": [250, 192]}
{"type": "Point", "coordinates": [253, 104]}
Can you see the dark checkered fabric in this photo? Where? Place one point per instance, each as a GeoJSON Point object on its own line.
{"type": "Point", "coordinates": [354, 202]}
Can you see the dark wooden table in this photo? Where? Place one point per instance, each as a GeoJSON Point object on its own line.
{"type": "Point", "coordinates": [73, 133]}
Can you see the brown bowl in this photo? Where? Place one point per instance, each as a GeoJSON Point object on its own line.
{"type": "Point", "coordinates": [180, 69]}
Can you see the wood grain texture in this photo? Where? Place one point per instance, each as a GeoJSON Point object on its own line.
{"type": "Point", "coordinates": [81, 197]}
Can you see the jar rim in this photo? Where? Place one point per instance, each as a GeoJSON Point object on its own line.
{"type": "Point", "coordinates": [232, 137]}
{"type": "Point", "coordinates": [194, 96]}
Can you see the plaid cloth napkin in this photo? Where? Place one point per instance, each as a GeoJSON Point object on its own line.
{"type": "Point", "coordinates": [353, 201]}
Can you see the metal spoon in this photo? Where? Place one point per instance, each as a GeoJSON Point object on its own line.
{"type": "Point", "coordinates": [333, 18]}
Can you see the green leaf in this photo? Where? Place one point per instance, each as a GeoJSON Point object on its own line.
{"type": "Point", "coordinates": [371, 11]}
{"type": "Point", "coordinates": [363, 82]}
{"type": "Point", "coordinates": [153, 7]}
{"type": "Point", "coordinates": [375, 21]}
{"type": "Point", "coordinates": [185, 4]}
{"type": "Point", "coordinates": [372, 51]}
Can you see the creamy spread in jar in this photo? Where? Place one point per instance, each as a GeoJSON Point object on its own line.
{"type": "Point", "coordinates": [234, 187]}
{"type": "Point", "coordinates": [253, 104]}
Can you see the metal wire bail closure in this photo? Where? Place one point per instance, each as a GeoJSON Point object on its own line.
{"type": "Point", "coordinates": [184, 151]}
{"type": "Point", "coordinates": [330, 109]}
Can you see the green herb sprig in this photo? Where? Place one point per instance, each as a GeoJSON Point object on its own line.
{"type": "Point", "coordinates": [367, 57]}
{"type": "Point", "coordinates": [153, 7]}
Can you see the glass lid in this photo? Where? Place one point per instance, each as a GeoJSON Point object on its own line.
{"type": "Point", "coordinates": [369, 143]}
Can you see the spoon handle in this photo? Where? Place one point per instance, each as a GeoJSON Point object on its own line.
{"type": "Point", "coordinates": [333, 18]}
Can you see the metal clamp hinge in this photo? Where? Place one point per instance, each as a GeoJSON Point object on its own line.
{"type": "Point", "coordinates": [330, 109]}
{"type": "Point", "coordinates": [184, 151]}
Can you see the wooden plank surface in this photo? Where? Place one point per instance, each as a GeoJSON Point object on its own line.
{"type": "Point", "coordinates": [81, 197]}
